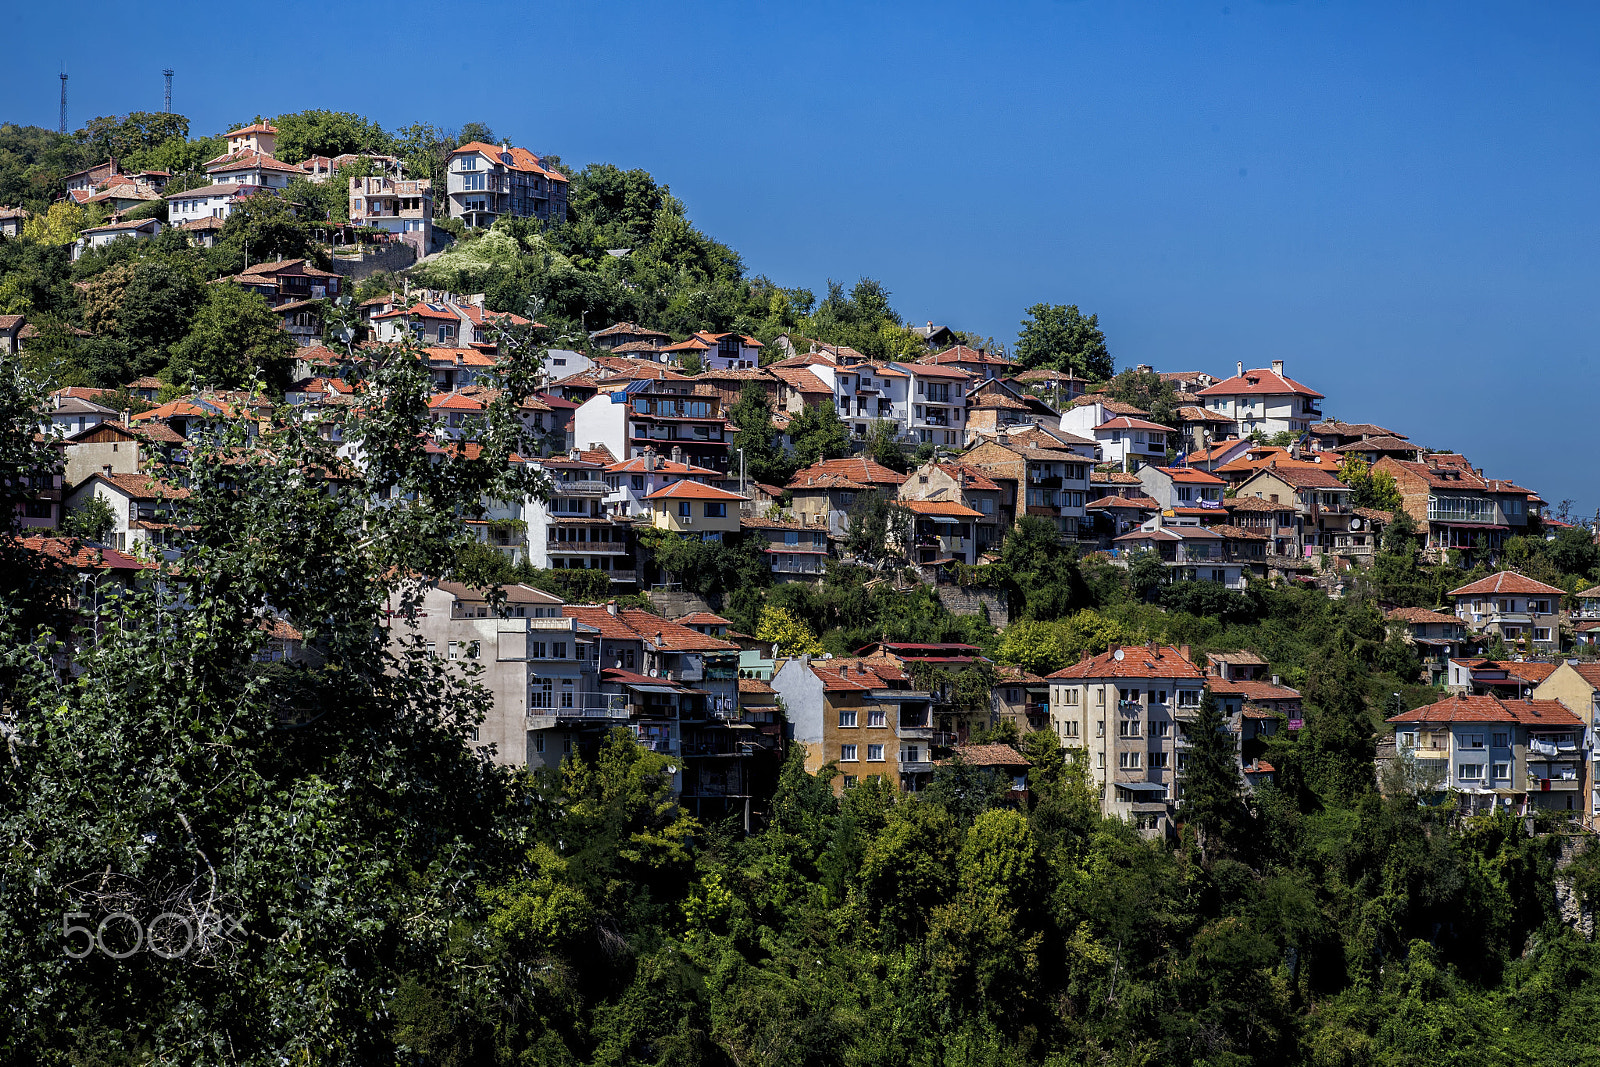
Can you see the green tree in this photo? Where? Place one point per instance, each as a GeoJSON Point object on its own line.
{"type": "Point", "coordinates": [818, 434]}
{"type": "Point", "coordinates": [259, 229]}
{"type": "Point", "coordinates": [125, 137]}
{"type": "Point", "coordinates": [691, 365]}
{"type": "Point", "coordinates": [792, 636]}
{"type": "Point", "coordinates": [1148, 391]}
{"type": "Point", "coordinates": [1146, 573]}
{"type": "Point", "coordinates": [235, 338]}
{"type": "Point", "coordinates": [1034, 646]}
{"type": "Point", "coordinates": [92, 520]}
{"type": "Point", "coordinates": [1044, 581]}
{"type": "Point", "coordinates": [1062, 338]}
{"type": "Point", "coordinates": [883, 446]}
{"type": "Point", "coordinates": [318, 132]}
{"type": "Point", "coordinates": [757, 437]}
{"type": "Point", "coordinates": [57, 226]}
{"type": "Point", "coordinates": [880, 527]}
{"type": "Point", "coordinates": [1211, 788]}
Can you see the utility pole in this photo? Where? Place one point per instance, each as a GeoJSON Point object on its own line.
{"type": "Point", "coordinates": [62, 128]}
{"type": "Point", "coordinates": [166, 103]}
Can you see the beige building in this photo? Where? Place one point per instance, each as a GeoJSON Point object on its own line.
{"type": "Point", "coordinates": [1130, 710]}
{"type": "Point", "coordinates": [1577, 686]}
{"type": "Point", "coordinates": [863, 716]}
{"type": "Point", "coordinates": [695, 509]}
{"type": "Point", "coordinates": [403, 207]}
{"type": "Point", "coordinates": [1522, 611]}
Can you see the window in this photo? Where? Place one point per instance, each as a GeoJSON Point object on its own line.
{"type": "Point", "coordinates": [1128, 696]}
{"type": "Point", "coordinates": [874, 753]}
{"type": "Point", "coordinates": [716, 511]}
{"type": "Point", "coordinates": [1469, 772]}
{"type": "Point", "coordinates": [469, 163]}
{"type": "Point", "coordinates": [847, 717]}
{"type": "Point", "coordinates": [1129, 760]}
{"type": "Point", "coordinates": [538, 742]}
{"type": "Point", "coordinates": [1539, 607]}
{"type": "Point", "coordinates": [685, 509]}
{"type": "Point", "coordinates": [1069, 728]}
{"type": "Point", "coordinates": [1473, 740]}
{"type": "Point", "coordinates": [1188, 698]}
{"type": "Point", "coordinates": [1541, 633]}
{"type": "Point", "coordinates": [877, 717]}
{"type": "Point", "coordinates": [536, 650]}
{"type": "Point", "coordinates": [1100, 760]}
{"type": "Point", "coordinates": [1501, 740]}
{"type": "Point", "coordinates": [1161, 728]}
{"type": "Point", "coordinates": [1100, 696]}
{"type": "Point", "coordinates": [1128, 728]}
{"type": "Point", "coordinates": [543, 693]}
{"type": "Point", "coordinates": [847, 754]}
{"type": "Point", "coordinates": [1100, 728]}
{"type": "Point", "coordinates": [1502, 772]}
{"type": "Point", "coordinates": [1013, 696]}
{"type": "Point", "coordinates": [566, 692]}
{"type": "Point", "coordinates": [558, 650]}
{"type": "Point", "coordinates": [1069, 696]}
{"type": "Point", "coordinates": [1158, 759]}
{"type": "Point", "coordinates": [628, 659]}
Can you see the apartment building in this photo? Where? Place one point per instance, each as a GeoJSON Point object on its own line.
{"type": "Point", "coordinates": [1523, 612]}
{"type": "Point", "coordinates": [793, 551]}
{"type": "Point", "coordinates": [1509, 679]}
{"type": "Point", "coordinates": [486, 181]}
{"type": "Point", "coordinates": [993, 407]}
{"type": "Point", "coordinates": [1460, 509]}
{"type": "Point", "coordinates": [1183, 491]}
{"type": "Point", "coordinates": [717, 351]}
{"type": "Point", "coordinates": [1123, 433]}
{"type": "Point", "coordinates": [1324, 518]}
{"type": "Point", "coordinates": [395, 205]}
{"type": "Point", "coordinates": [1518, 755]}
{"type": "Point", "coordinates": [1129, 708]}
{"type": "Point", "coordinates": [141, 504]}
{"type": "Point", "coordinates": [1047, 472]}
{"type": "Point", "coordinates": [696, 510]}
{"type": "Point", "coordinates": [574, 530]}
{"type": "Point", "coordinates": [937, 398]}
{"type": "Point", "coordinates": [659, 414]}
{"type": "Point", "coordinates": [863, 716]}
{"type": "Point", "coordinates": [824, 493]}
{"type": "Point", "coordinates": [630, 483]}
{"type": "Point", "coordinates": [981, 498]}
{"type": "Point", "coordinates": [981, 366]}
{"type": "Point", "coordinates": [1263, 401]}
{"type": "Point", "coordinates": [1190, 552]}
{"type": "Point", "coordinates": [540, 667]}
{"type": "Point", "coordinates": [1577, 687]}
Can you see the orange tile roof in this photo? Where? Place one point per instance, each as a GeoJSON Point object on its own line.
{"type": "Point", "coordinates": [862, 471]}
{"type": "Point", "coordinates": [1136, 661]}
{"type": "Point", "coordinates": [990, 756]}
{"type": "Point", "coordinates": [963, 354]}
{"type": "Point", "coordinates": [975, 478]}
{"type": "Point", "coordinates": [800, 379]}
{"type": "Point", "coordinates": [941, 507]}
{"type": "Point", "coordinates": [1126, 423]}
{"type": "Point", "coordinates": [144, 486]}
{"type": "Point", "coordinates": [514, 158]}
{"type": "Point", "coordinates": [702, 618]}
{"type": "Point", "coordinates": [1191, 476]}
{"type": "Point", "coordinates": [684, 489]}
{"type": "Point", "coordinates": [1464, 708]}
{"type": "Point", "coordinates": [1259, 381]}
{"type": "Point", "coordinates": [1419, 615]}
{"type": "Point", "coordinates": [1507, 582]}
{"type": "Point", "coordinates": [1252, 689]}
{"type": "Point", "coordinates": [85, 557]}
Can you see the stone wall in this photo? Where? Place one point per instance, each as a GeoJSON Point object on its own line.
{"type": "Point", "coordinates": [396, 256]}
{"type": "Point", "coordinates": [974, 599]}
{"type": "Point", "coordinates": [675, 604]}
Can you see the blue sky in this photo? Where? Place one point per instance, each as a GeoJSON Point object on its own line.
{"type": "Point", "coordinates": [1397, 200]}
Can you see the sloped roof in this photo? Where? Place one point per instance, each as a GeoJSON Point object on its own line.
{"type": "Point", "coordinates": [684, 489]}
{"type": "Point", "coordinates": [1420, 615]}
{"type": "Point", "coordinates": [1465, 708]}
{"type": "Point", "coordinates": [1507, 582]}
{"type": "Point", "coordinates": [1135, 661]}
{"type": "Point", "coordinates": [1259, 381]}
{"type": "Point", "coordinates": [859, 470]}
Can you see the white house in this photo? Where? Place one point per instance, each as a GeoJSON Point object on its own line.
{"type": "Point", "coordinates": [866, 393]}
{"type": "Point", "coordinates": [206, 202]}
{"type": "Point", "coordinates": [631, 481]}
{"type": "Point", "coordinates": [100, 236]}
{"type": "Point", "coordinates": [938, 401]}
{"type": "Point", "coordinates": [140, 505]}
{"type": "Point", "coordinates": [485, 181]}
{"type": "Point", "coordinates": [1263, 401]}
{"type": "Point", "coordinates": [253, 168]}
{"type": "Point", "coordinates": [717, 351]}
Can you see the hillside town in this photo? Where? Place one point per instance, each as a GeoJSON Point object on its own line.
{"type": "Point", "coordinates": [928, 465]}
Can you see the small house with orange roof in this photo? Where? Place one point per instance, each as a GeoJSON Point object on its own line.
{"type": "Point", "coordinates": [1522, 611]}
{"type": "Point", "coordinates": [866, 718]}
{"type": "Point", "coordinates": [1263, 401]}
{"type": "Point", "coordinates": [946, 482]}
{"type": "Point", "coordinates": [719, 351]}
{"type": "Point", "coordinates": [630, 482]}
{"type": "Point", "coordinates": [485, 181]}
{"type": "Point", "coordinates": [694, 509]}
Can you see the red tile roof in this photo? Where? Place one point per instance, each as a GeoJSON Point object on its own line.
{"type": "Point", "coordinates": [941, 507]}
{"type": "Point", "coordinates": [1126, 423]}
{"type": "Point", "coordinates": [85, 557]}
{"type": "Point", "coordinates": [1507, 582]}
{"type": "Point", "coordinates": [702, 618]}
{"type": "Point", "coordinates": [1257, 382]}
{"type": "Point", "coordinates": [1420, 615]}
{"type": "Point", "coordinates": [684, 489]}
{"type": "Point", "coordinates": [1492, 709]}
{"type": "Point", "coordinates": [860, 471]}
{"type": "Point", "coordinates": [1134, 661]}
{"type": "Point", "coordinates": [990, 756]}
{"type": "Point", "coordinates": [1252, 689]}
{"type": "Point", "coordinates": [515, 159]}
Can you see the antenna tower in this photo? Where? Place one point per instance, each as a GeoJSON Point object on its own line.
{"type": "Point", "coordinates": [63, 126]}
{"type": "Point", "coordinates": [166, 105]}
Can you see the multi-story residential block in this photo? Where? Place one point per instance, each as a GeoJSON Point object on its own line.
{"type": "Point", "coordinates": [630, 482]}
{"type": "Point", "coordinates": [573, 529]}
{"type": "Point", "coordinates": [1577, 686]}
{"type": "Point", "coordinates": [1047, 472]}
{"type": "Point", "coordinates": [207, 202]}
{"type": "Point", "coordinates": [937, 664]}
{"type": "Point", "coordinates": [1523, 612]}
{"type": "Point", "coordinates": [1189, 551]}
{"type": "Point", "coordinates": [696, 510]}
{"type": "Point", "coordinates": [114, 447]}
{"type": "Point", "coordinates": [1184, 491]}
{"type": "Point", "coordinates": [793, 550]}
{"type": "Point", "coordinates": [1130, 709]}
{"type": "Point", "coordinates": [1122, 432]}
{"type": "Point", "coordinates": [660, 414]}
{"type": "Point", "coordinates": [1519, 755]}
{"type": "Point", "coordinates": [942, 532]}
{"type": "Point", "coordinates": [486, 182]}
{"type": "Point", "coordinates": [1461, 510]}
{"type": "Point", "coordinates": [1325, 519]}
{"type": "Point", "coordinates": [1437, 637]}
{"type": "Point", "coordinates": [937, 482]}
{"type": "Point", "coordinates": [540, 667]}
{"type": "Point", "coordinates": [863, 392]}
{"type": "Point", "coordinates": [865, 717]}
{"type": "Point", "coordinates": [396, 205]}
{"type": "Point", "coordinates": [718, 351]}
{"type": "Point", "coordinates": [1586, 617]}
{"type": "Point", "coordinates": [824, 493]}
{"type": "Point", "coordinates": [938, 400]}
{"type": "Point", "coordinates": [993, 407]}
{"type": "Point", "coordinates": [1263, 401]}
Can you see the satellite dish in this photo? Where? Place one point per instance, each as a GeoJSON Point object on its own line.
{"type": "Point", "coordinates": [1117, 655]}
{"type": "Point", "coordinates": [672, 768]}
{"type": "Point", "coordinates": [1355, 524]}
{"type": "Point", "coordinates": [652, 672]}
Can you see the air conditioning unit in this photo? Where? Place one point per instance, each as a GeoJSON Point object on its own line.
{"type": "Point", "coordinates": [685, 520]}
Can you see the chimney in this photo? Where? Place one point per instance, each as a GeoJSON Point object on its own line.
{"type": "Point", "coordinates": [1277, 679]}
{"type": "Point", "coordinates": [573, 455]}
{"type": "Point", "coordinates": [1241, 368]}
{"type": "Point", "coordinates": [1183, 650]}
{"type": "Point", "coordinates": [930, 324]}
{"type": "Point", "coordinates": [650, 459]}
{"type": "Point", "coordinates": [611, 607]}
{"type": "Point", "coordinates": [505, 146]}
{"type": "Point", "coordinates": [127, 416]}
{"type": "Point", "coordinates": [677, 454]}
{"type": "Point", "coordinates": [1277, 367]}
{"type": "Point", "coordinates": [106, 469]}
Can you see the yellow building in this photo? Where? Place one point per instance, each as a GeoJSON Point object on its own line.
{"type": "Point", "coordinates": [692, 508]}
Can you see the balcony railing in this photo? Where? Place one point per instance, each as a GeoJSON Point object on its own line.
{"type": "Point", "coordinates": [584, 486]}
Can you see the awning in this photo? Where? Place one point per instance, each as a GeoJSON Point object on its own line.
{"type": "Point", "coordinates": [653, 688]}
{"type": "Point", "coordinates": [1141, 787]}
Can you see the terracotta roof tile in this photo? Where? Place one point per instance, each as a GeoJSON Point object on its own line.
{"type": "Point", "coordinates": [1507, 582]}
{"type": "Point", "coordinates": [1136, 661]}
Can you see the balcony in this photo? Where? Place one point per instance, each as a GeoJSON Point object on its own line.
{"type": "Point", "coordinates": [916, 767]}
{"type": "Point", "coordinates": [914, 733]}
{"type": "Point", "coordinates": [946, 739]}
{"type": "Point", "coordinates": [583, 487]}
{"type": "Point", "coordinates": [586, 548]}
{"type": "Point", "coordinates": [592, 712]}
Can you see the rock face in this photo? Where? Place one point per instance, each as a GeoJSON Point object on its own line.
{"type": "Point", "coordinates": [1571, 909]}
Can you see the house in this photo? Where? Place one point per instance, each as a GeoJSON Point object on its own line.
{"type": "Point", "coordinates": [1189, 551]}
{"type": "Point", "coordinates": [71, 411]}
{"type": "Point", "coordinates": [1184, 491]}
{"type": "Point", "coordinates": [934, 336]}
{"type": "Point", "coordinates": [1199, 429]}
{"type": "Point", "coordinates": [37, 492]}
{"type": "Point", "coordinates": [864, 393]}
{"type": "Point", "coordinates": [206, 202]}
{"type": "Point", "coordinates": [938, 661]}
{"type": "Point", "coordinates": [1110, 516]}
{"type": "Point", "coordinates": [994, 406]}
{"type": "Point", "coordinates": [85, 182]}
{"type": "Point", "coordinates": [937, 397]}
{"type": "Point", "coordinates": [1020, 697]}
{"type": "Point", "coordinates": [395, 205]}
{"type": "Point", "coordinates": [729, 385]}
{"type": "Point", "coordinates": [1329, 435]}
{"type": "Point", "coordinates": [793, 551]}
{"type": "Point", "coordinates": [1577, 687]}
{"type": "Point", "coordinates": [1372, 449]}
{"type": "Point", "coordinates": [1437, 637]}
{"type": "Point", "coordinates": [628, 333]}
{"type": "Point", "coordinates": [942, 531]}
{"type": "Point", "coordinates": [1517, 755]}
{"type": "Point", "coordinates": [1130, 709]}
{"type": "Point", "coordinates": [656, 412]}
{"type": "Point", "coordinates": [1220, 454]}
{"type": "Point", "coordinates": [484, 182]}
{"type": "Point", "coordinates": [1003, 761]}
{"type": "Point", "coordinates": [1058, 388]}
{"type": "Point", "coordinates": [573, 530]}
{"type": "Point", "coordinates": [1452, 501]}
{"type": "Point", "coordinates": [981, 366]}
{"type": "Point", "coordinates": [124, 194]}
{"type": "Point", "coordinates": [319, 169]}
{"type": "Point", "coordinates": [1510, 679]}
{"type": "Point", "coordinates": [540, 666]}
{"type": "Point", "coordinates": [865, 717]}
{"type": "Point", "coordinates": [12, 220]}
{"type": "Point", "coordinates": [1263, 402]}
{"type": "Point", "coordinates": [141, 505]}
{"type": "Point", "coordinates": [694, 509]}
{"type": "Point", "coordinates": [1586, 616]}
{"type": "Point", "coordinates": [113, 447]}
{"type": "Point", "coordinates": [1043, 473]}
{"type": "Point", "coordinates": [719, 351]}
{"type": "Point", "coordinates": [253, 168]}
{"type": "Point", "coordinates": [102, 235]}
{"type": "Point", "coordinates": [258, 137]}
{"type": "Point", "coordinates": [945, 482]}
{"type": "Point", "coordinates": [1522, 612]}
{"type": "Point", "coordinates": [630, 482]}
{"type": "Point", "coordinates": [1324, 519]}
{"type": "Point", "coordinates": [824, 493]}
